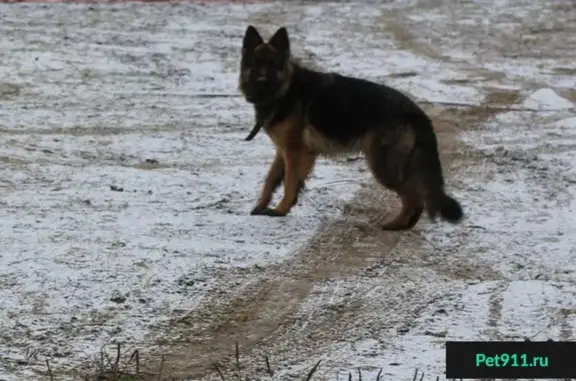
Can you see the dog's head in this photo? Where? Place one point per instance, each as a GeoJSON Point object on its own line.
{"type": "Point", "coordinates": [265, 68]}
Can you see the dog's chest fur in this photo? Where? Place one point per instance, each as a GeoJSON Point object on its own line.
{"type": "Point", "coordinates": [320, 143]}
{"type": "Point", "coordinates": [313, 140]}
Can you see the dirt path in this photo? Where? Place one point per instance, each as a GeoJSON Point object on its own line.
{"type": "Point", "coordinates": [265, 317]}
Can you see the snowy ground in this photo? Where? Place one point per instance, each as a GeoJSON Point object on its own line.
{"type": "Point", "coordinates": [143, 99]}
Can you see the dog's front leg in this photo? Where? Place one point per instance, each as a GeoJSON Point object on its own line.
{"type": "Point", "coordinates": [288, 139]}
{"type": "Point", "coordinates": [273, 181]}
{"type": "Point", "coordinates": [292, 160]}
{"type": "Point", "coordinates": [297, 166]}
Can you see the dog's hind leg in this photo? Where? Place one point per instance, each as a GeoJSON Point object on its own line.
{"type": "Point", "coordinates": [406, 160]}
{"type": "Point", "coordinates": [390, 158]}
{"type": "Point", "coordinates": [412, 204]}
{"type": "Point", "coordinates": [412, 208]}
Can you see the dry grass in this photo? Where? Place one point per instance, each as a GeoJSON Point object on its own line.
{"type": "Point", "coordinates": [126, 366]}
{"type": "Point", "coordinates": [115, 369]}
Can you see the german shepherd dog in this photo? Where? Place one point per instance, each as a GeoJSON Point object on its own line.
{"type": "Point", "coordinates": [307, 114]}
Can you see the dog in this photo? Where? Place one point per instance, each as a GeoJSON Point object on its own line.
{"type": "Point", "coordinates": [308, 113]}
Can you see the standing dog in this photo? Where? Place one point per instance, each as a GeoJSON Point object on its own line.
{"type": "Point", "coordinates": [307, 114]}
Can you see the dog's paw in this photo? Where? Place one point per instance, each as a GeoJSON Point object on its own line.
{"type": "Point", "coordinates": [269, 212]}
{"type": "Point", "coordinates": [258, 211]}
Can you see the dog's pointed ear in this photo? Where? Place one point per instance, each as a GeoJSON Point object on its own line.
{"type": "Point", "coordinates": [251, 39]}
{"type": "Point", "coordinates": [281, 41]}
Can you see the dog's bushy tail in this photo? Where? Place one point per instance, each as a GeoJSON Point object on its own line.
{"type": "Point", "coordinates": [449, 208]}
{"type": "Point", "coordinates": [428, 163]}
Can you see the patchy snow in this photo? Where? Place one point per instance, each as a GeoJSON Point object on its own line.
{"type": "Point", "coordinates": [547, 99]}
{"type": "Point", "coordinates": [125, 188]}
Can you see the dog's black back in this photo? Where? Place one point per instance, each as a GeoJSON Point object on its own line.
{"type": "Point", "coordinates": [344, 108]}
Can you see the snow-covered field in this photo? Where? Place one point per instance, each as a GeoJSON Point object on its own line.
{"type": "Point", "coordinates": [126, 186]}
